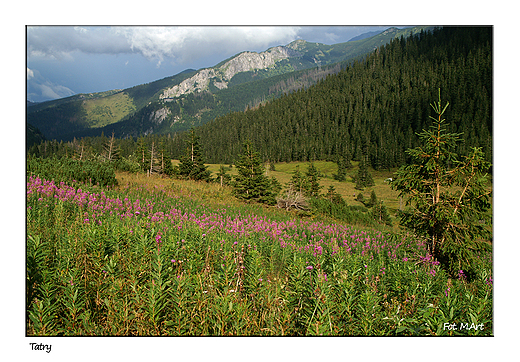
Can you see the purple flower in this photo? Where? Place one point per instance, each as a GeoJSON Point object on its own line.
{"type": "Point", "coordinates": [310, 267]}
{"type": "Point", "coordinates": [405, 259]}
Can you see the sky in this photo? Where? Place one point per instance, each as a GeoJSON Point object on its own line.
{"type": "Point", "coordinates": [66, 60]}
{"type": "Point", "coordinates": [68, 64]}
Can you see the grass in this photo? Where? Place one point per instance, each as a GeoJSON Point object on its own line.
{"type": "Point", "coordinates": [156, 256]}
{"type": "Point", "coordinates": [284, 171]}
{"type": "Point", "coordinates": [107, 110]}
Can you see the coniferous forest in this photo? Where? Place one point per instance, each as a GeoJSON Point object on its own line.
{"type": "Point", "coordinates": [373, 108]}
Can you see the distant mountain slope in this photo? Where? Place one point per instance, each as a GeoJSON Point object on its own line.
{"type": "Point", "coordinates": [374, 108]}
{"type": "Point", "coordinates": [81, 113]}
{"type": "Point", "coordinates": [365, 35]}
{"type": "Point", "coordinates": [192, 98]}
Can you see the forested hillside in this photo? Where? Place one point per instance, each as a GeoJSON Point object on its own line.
{"type": "Point", "coordinates": [194, 97]}
{"type": "Point", "coordinates": [373, 107]}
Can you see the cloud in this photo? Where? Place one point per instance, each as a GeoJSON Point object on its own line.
{"type": "Point", "coordinates": [54, 91]}
{"type": "Point", "coordinates": [40, 89]}
{"type": "Point", "coordinates": [333, 38]}
{"type": "Point", "coordinates": [185, 44]}
{"type": "Point", "coordinates": [177, 44]}
{"type": "Point", "coordinates": [60, 42]}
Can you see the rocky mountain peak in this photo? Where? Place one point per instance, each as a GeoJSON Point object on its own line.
{"type": "Point", "coordinates": [220, 76]}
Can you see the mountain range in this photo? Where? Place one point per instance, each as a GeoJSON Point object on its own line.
{"type": "Point", "coordinates": [194, 97]}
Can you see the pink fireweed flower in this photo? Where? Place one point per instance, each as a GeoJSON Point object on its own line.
{"type": "Point", "coordinates": [462, 275]}
{"type": "Point", "coordinates": [310, 267]}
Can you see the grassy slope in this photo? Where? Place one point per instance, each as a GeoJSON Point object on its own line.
{"type": "Point", "coordinates": [107, 110]}
{"type": "Point", "coordinates": [284, 171]}
{"type": "Point", "coordinates": [109, 277]}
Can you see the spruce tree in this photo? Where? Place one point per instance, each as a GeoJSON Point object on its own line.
{"type": "Point", "coordinates": [166, 161]}
{"type": "Point", "coordinates": [298, 183]}
{"type": "Point", "coordinates": [448, 205]}
{"type": "Point", "coordinates": [276, 186]}
{"type": "Point", "coordinates": [168, 167]}
{"type": "Point", "coordinates": [360, 198]}
{"type": "Point", "coordinates": [373, 199]}
{"type": "Point", "coordinates": [363, 178]}
{"type": "Point", "coordinates": [222, 177]}
{"type": "Point", "coordinates": [313, 184]}
{"type": "Point", "coordinates": [192, 163]}
{"type": "Point", "coordinates": [380, 213]}
{"type": "Point", "coordinates": [334, 197]}
{"type": "Point", "coordinates": [343, 165]}
{"type": "Point", "coordinates": [251, 184]}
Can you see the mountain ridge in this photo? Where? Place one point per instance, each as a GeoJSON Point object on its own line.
{"type": "Point", "coordinates": [76, 115]}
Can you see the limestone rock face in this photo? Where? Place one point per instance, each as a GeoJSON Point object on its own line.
{"type": "Point", "coordinates": [159, 115]}
{"type": "Point", "coordinates": [220, 76]}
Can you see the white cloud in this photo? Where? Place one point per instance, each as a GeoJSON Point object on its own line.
{"type": "Point", "coordinates": [60, 42]}
{"type": "Point", "coordinates": [40, 89]}
{"type": "Point", "coordinates": [53, 91]}
{"type": "Point", "coordinates": [179, 44]}
{"type": "Point", "coordinates": [184, 44]}
{"type": "Point", "coordinates": [332, 37]}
